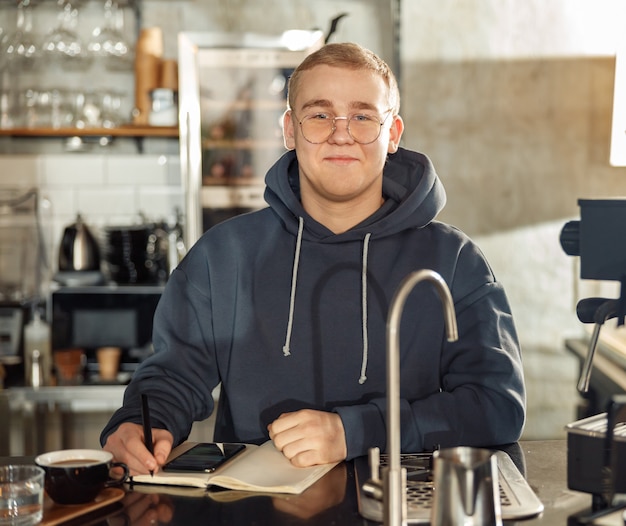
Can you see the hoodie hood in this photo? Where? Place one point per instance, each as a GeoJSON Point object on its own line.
{"type": "Point", "coordinates": [414, 196]}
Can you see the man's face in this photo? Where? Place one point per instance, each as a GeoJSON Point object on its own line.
{"type": "Point", "coordinates": [340, 170]}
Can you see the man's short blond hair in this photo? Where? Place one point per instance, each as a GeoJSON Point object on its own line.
{"type": "Point", "coordinates": [350, 56]}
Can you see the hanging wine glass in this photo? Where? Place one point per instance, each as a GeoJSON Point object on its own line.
{"type": "Point", "coordinates": [62, 46]}
{"type": "Point", "coordinates": [19, 50]}
{"type": "Point", "coordinates": [108, 41]}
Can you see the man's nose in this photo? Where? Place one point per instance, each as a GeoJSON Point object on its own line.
{"type": "Point", "coordinates": [341, 132]}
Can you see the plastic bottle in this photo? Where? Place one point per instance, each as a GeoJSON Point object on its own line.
{"type": "Point", "coordinates": [37, 352]}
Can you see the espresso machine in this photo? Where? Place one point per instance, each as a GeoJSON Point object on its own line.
{"type": "Point", "coordinates": [596, 445]}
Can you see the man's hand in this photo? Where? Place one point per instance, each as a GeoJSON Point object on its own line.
{"type": "Point", "coordinates": [127, 445]}
{"type": "Point", "coordinates": [309, 437]}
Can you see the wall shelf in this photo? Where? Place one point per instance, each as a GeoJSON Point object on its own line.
{"type": "Point", "coordinates": [121, 131]}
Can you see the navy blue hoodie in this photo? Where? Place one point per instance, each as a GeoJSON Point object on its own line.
{"type": "Point", "coordinates": [288, 315]}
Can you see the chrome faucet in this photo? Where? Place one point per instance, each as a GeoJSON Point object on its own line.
{"type": "Point", "coordinates": [394, 479]}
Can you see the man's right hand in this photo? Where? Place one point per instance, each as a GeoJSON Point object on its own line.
{"type": "Point", "coordinates": [127, 446]}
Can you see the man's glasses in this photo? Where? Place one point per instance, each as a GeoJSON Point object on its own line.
{"type": "Point", "coordinates": [364, 128]}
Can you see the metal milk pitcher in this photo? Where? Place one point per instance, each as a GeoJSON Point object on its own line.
{"type": "Point", "coordinates": [466, 489]}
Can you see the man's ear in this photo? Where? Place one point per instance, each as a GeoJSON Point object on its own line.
{"type": "Point", "coordinates": [395, 134]}
{"type": "Point", "coordinates": [289, 130]}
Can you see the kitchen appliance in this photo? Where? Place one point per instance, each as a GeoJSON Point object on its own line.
{"type": "Point", "coordinates": [13, 316]}
{"type": "Point", "coordinates": [232, 94]}
{"type": "Point", "coordinates": [596, 460]}
{"type": "Point", "coordinates": [79, 249]}
{"type": "Point", "coordinates": [599, 238]}
{"type": "Point", "coordinates": [596, 454]}
{"type": "Point", "coordinates": [22, 256]}
{"type": "Point", "coordinates": [93, 317]}
{"type": "Point", "coordinates": [79, 256]}
{"type": "Point", "coordinates": [517, 498]}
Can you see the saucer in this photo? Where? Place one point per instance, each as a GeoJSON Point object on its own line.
{"type": "Point", "coordinates": [54, 513]}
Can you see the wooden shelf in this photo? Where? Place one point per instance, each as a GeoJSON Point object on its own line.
{"type": "Point", "coordinates": [210, 181]}
{"type": "Point", "coordinates": [241, 144]}
{"type": "Point", "coordinates": [121, 131]}
{"type": "Point", "coordinates": [244, 105]}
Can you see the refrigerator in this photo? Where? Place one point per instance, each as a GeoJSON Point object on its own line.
{"type": "Point", "coordinates": [232, 95]}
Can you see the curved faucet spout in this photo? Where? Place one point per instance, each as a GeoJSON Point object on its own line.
{"type": "Point", "coordinates": [395, 483]}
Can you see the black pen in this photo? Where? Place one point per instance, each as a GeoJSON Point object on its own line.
{"type": "Point", "coordinates": [147, 426]}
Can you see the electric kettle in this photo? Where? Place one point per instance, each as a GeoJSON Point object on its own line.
{"type": "Point", "coordinates": [79, 249]}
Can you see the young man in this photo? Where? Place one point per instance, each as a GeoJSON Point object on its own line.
{"type": "Point", "coordinates": [287, 306]}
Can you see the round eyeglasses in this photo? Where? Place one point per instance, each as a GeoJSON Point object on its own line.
{"type": "Point", "coordinates": [364, 128]}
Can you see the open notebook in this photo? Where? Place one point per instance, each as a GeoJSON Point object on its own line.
{"type": "Point", "coordinates": [259, 468]}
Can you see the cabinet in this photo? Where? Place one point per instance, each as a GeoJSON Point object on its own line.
{"type": "Point", "coordinates": [233, 90]}
{"type": "Point", "coordinates": [66, 69]}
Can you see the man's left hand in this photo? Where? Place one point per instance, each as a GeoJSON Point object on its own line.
{"type": "Point", "coordinates": [308, 437]}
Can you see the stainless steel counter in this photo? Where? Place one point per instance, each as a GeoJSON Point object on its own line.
{"type": "Point", "coordinates": [36, 420]}
{"type": "Point", "coordinates": [73, 398]}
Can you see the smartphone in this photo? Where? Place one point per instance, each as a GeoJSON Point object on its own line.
{"type": "Point", "coordinates": [204, 457]}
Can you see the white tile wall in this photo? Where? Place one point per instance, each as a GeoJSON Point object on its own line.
{"type": "Point", "coordinates": [105, 189]}
{"type": "Point", "coordinates": [19, 171]}
{"type": "Point", "coordinates": [101, 203]}
{"type": "Point", "coordinates": [72, 170]}
{"type": "Point", "coordinates": [146, 170]}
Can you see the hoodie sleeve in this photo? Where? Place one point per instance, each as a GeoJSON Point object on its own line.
{"type": "Point", "coordinates": [481, 401]}
{"type": "Point", "coordinates": [181, 375]}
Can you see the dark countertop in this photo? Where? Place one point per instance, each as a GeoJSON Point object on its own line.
{"type": "Point", "coordinates": [332, 500]}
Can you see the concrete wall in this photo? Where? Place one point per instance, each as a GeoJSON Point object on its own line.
{"type": "Point", "coordinates": [513, 103]}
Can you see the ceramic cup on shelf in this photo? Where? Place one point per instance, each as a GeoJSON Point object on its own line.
{"type": "Point", "coordinates": [77, 476]}
{"type": "Point", "coordinates": [108, 362]}
{"type": "Point", "coordinates": [69, 365]}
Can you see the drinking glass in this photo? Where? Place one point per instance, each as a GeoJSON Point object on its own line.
{"type": "Point", "coordinates": [60, 107]}
{"type": "Point", "coordinates": [21, 494]}
{"type": "Point", "coordinates": [110, 102]}
{"type": "Point", "coordinates": [6, 109]}
{"type": "Point", "coordinates": [11, 114]}
{"type": "Point", "coordinates": [19, 49]}
{"type": "Point", "coordinates": [42, 107]}
{"type": "Point", "coordinates": [29, 104]}
{"type": "Point", "coordinates": [62, 46]}
{"type": "Point", "coordinates": [108, 41]}
{"type": "Point", "coordinates": [86, 110]}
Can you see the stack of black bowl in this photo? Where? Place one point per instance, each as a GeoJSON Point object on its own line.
{"type": "Point", "coordinates": [125, 253]}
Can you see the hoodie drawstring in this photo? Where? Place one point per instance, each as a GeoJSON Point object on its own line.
{"type": "Point", "coordinates": [294, 279]}
{"type": "Point", "coordinates": [366, 244]}
{"type": "Point", "coordinates": [292, 298]}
